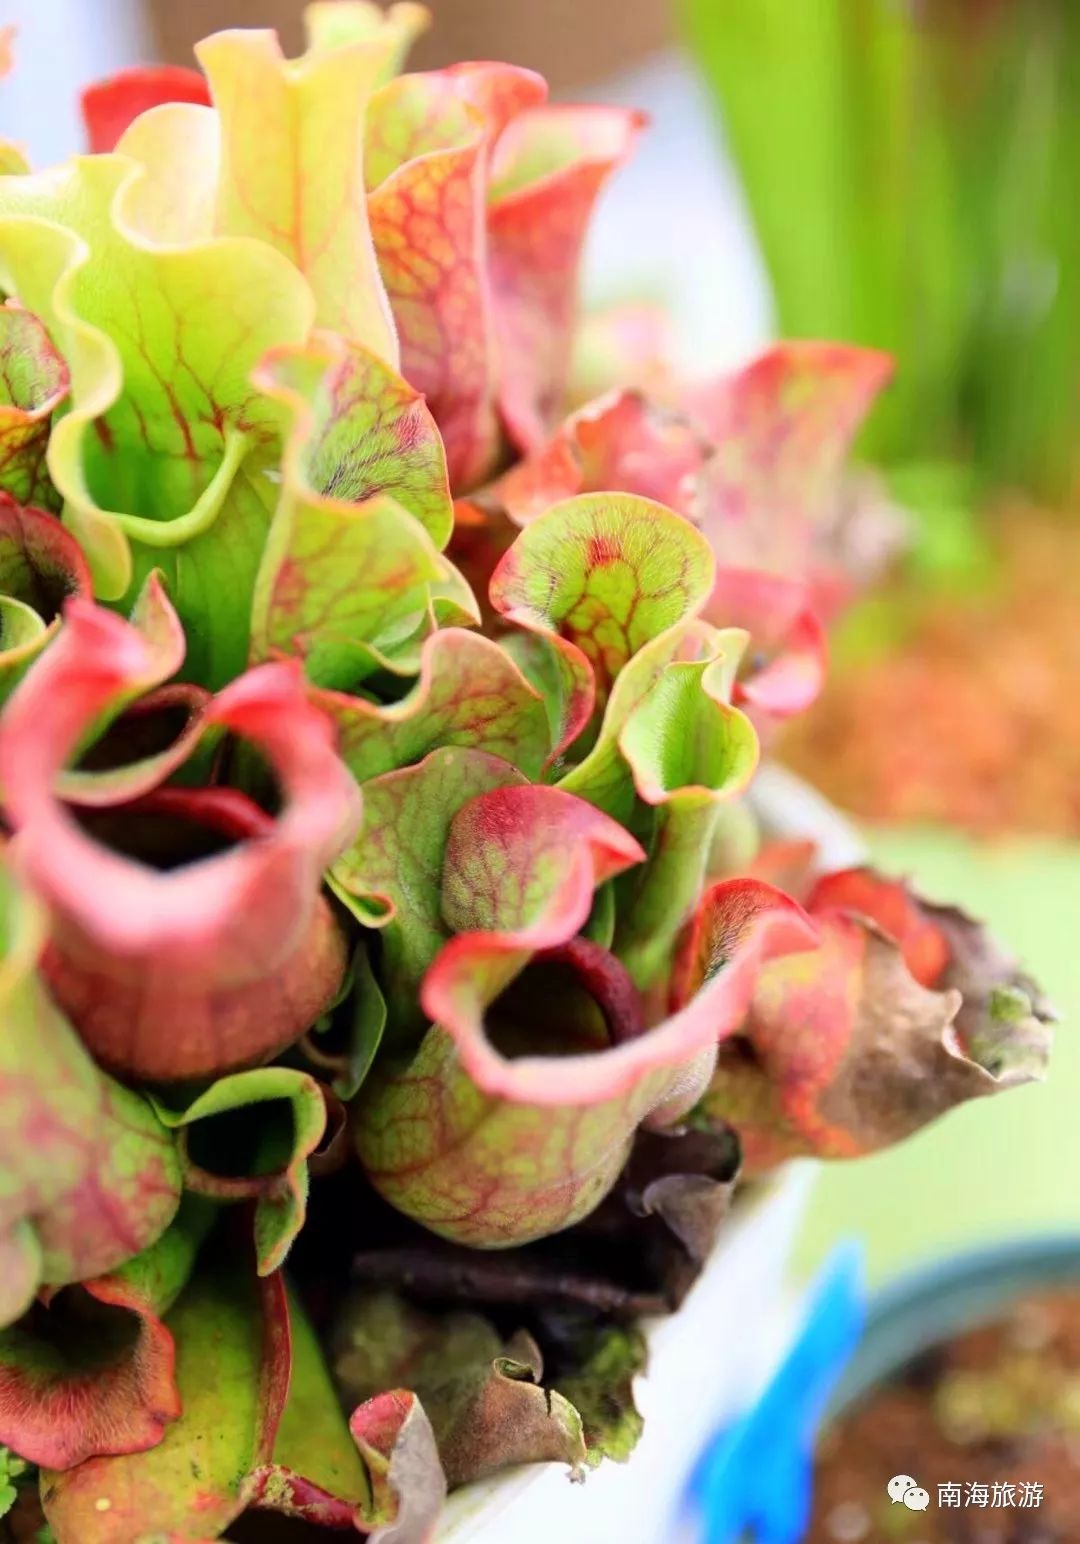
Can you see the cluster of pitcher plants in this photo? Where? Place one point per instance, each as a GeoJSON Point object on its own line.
{"type": "Point", "coordinates": [395, 969]}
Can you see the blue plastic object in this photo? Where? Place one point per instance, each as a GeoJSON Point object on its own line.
{"type": "Point", "coordinates": [754, 1480]}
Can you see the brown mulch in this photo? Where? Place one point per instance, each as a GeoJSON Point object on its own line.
{"type": "Point", "coordinates": [998, 1407]}
{"type": "Point", "coordinates": [973, 715]}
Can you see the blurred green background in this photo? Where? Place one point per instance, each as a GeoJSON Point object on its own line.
{"type": "Point", "coordinates": [911, 172]}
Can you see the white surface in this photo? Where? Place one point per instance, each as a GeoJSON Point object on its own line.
{"type": "Point", "coordinates": [61, 46]}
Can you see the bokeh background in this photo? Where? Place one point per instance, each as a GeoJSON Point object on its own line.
{"type": "Point", "coordinates": [903, 175]}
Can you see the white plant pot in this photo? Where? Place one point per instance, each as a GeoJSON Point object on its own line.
{"type": "Point", "coordinates": [707, 1361]}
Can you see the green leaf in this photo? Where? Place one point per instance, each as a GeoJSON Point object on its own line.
{"type": "Point", "coordinates": [601, 1387]}
{"type": "Point", "coordinates": [671, 750]}
{"type": "Point", "coordinates": [91, 1177]}
{"type": "Point", "coordinates": [34, 381]}
{"type": "Point", "coordinates": [605, 573]}
{"type": "Point", "coordinates": [362, 1016]}
{"type": "Point", "coordinates": [313, 1438]}
{"type": "Point", "coordinates": [391, 878]}
{"type": "Point", "coordinates": [40, 565]}
{"type": "Point", "coordinates": [291, 162]}
{"type": "Point", "coordinates": [11, 1468]}
{"type": "Point", "coordinates": [689, 751]}
{"type": "Point", "coordinates": [352, 556]}
{"type": "Point", "coordinates": [232, 1371]}
{"type": "Point", "coordinates": [162, 456]}
{"type": "Point", "coordinates": [470, 693]}
{"type": "Point", "coordinates": [243, 1135]}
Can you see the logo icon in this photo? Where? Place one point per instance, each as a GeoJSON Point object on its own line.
{"type": "Point", "coordinates": [903, 1488]}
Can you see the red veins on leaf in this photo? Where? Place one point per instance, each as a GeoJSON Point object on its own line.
{"type": "Point", "coordinates": [521, 868]}
{"type": "Point", "coordinates": [34, 381]}
{"type": "Point", "coordinates": [495, 189]}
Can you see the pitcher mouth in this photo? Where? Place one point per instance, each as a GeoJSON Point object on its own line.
{"type": "Point", "coordinates": [175, 828]}
{"type": "Point", "coordinates": [569, 1000]}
